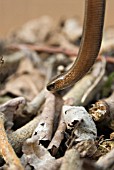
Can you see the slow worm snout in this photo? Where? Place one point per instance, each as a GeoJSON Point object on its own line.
{"type": "Point", "coordinates": [89, 48]}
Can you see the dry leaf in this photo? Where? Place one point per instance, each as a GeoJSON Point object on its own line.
{"type": "Point", "coordinates": [37, 156]}
{"type": "Point", "coordinates": [72, 29]}
{"type": "Point", "coordinates": [27, 82]}
{"type": "Point", "coordinates": [34, 31]}
{"type": "Point", "coordinates": [11, 108]}
{"type": "Point", "coordinates": [79, 118]}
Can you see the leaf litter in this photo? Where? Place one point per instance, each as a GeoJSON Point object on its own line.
{"type": "Point", "coordinates": [54, 131]}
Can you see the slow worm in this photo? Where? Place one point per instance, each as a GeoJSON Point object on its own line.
{"type": "Point", "coordinates": [89, 48]}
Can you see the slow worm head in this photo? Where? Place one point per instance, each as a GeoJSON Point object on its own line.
{"type": "Point", "coordinates": [89, 48]}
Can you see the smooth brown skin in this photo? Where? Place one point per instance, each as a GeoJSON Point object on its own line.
{"type": "Point", "coordinates": [89, 48]}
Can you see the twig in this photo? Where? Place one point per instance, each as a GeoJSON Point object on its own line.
{"type": "Point", "coordinates": [50, 65]}
{"type": "Point", "coordinates": [56, 165]}
{"type": "Point", "coordinates": [71, 160]}
{"type": "Point", "coordinates": [38, 157]}
{"type": "Point", "coordinates": [89, 165]}
{"type": "Point", "coordinates": [103, 110]}
{"type": "Point", "coordinates": [43, 48]}
{"type": "Point", "coordinates": [107, 45]}
{"type": "Point", "coordinates": [11, 108]}
{"type": "Point", "coordinates": [6, 150]}
{"type": "Point", "coordinates": [58, 137]}
{"type": "Point", "coordinates": [106, 162]}
{"type": "Point", "coordinates": [52, 50]}
{"type": "Point", "coordinates": [44, 129]}
{"type": "Point", "coordinates": [84, 90]}
{"type": "Point", "coordinates": [20, 135]}
{"type": "Point", "coordinates": [58, 107]}
{"type": "Point", "coordinates": [109, 59]}
{"type": "Point", "coordinates": [10, 64]}
{"type": "Point", "coordinates": [33, 106]}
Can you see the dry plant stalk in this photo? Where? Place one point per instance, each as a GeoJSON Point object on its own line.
{"type": "Point", "coordinates": [106, 162]}
{"type": "Point", "coordinates": [88, 165]}
{"type": "Point", "coordinates": [71, 160]}
{"type": "Point", "coordinates": [107, 45]}
{"type": "Point", "coordinates": [10, 64]}
{"type": "Point", "coordinates": [37, 156]}
{"type": "Point", "coordinates": [103, 110]}
{"type": "Point", "coordinates": [33, 106]}
{"type": "Point", "coordinates": [11, 108]}
{"type": "Point", "coordinates": [58, 137]}
{"type": "Point", "coordinates": [58, 107]}
{"type": "Point", "coordinates": [12, 161]}
{"type": "Point", "coordinates": [44, 129]}
{"type": "Point", "coordinates": [18, 137]}
{"type": "Point", "coordinates": [109, 59]}
{"type": "Point", "coordinates": [43, 48]}
{"type": "Point", "coordinates": [58, 163]}
{"type": "Point", "coordinates": [90, 85]}
{"type": "Point", "coordinates": [55, 50]}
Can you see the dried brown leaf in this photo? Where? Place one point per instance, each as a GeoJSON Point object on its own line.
{"type": "Point", "coordinates": [57, 39]}
{"type": "Point", "coordinates": [10, 65]}
{"type": "Point", "coordinates": [72, 29]}
{"type": "Point", "coordinates": [86, 148]}
{"type": "Point", "coordinates": [11, 108]}
{"type": "Point", "coordinates": [27, 82]}
{"type": "Point", "coordinates": [34, 31]}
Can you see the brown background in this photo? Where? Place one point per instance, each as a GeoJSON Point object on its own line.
{"type": "Point", "coordinates": [14, 13]}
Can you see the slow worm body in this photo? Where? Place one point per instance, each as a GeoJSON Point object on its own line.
{"type": "Point", "coordinates": [89, 48]}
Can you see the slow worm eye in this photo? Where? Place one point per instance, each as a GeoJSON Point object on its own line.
{"type": "Point", "coordinates": [51, 87]}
